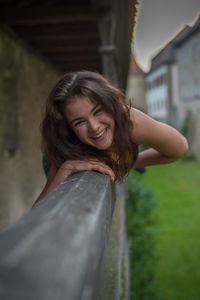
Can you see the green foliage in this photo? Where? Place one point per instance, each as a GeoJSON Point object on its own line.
{"type": "Point", "coordinates": [186, 123]}
{"type": "Point", "coordinates": [140, 216]}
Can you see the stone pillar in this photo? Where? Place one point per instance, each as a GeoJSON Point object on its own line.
{"type": "Point", "coordinates": [106, 24]}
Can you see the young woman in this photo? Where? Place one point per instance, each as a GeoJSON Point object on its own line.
{"type": "Point", "coordinates": [89, 126]}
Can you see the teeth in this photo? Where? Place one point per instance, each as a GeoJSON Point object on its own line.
{"type": "Point", "coordinates": [100, 134]}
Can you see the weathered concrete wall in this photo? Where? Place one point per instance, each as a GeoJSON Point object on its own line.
{"type": "Point", "coordinates": [25, 82]}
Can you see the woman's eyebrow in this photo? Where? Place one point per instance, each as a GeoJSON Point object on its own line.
{"type": "Point", "coordinates": [80, 118]}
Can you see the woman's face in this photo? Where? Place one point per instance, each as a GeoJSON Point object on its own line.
{"type": "Point", "coordinates": [91, 124]}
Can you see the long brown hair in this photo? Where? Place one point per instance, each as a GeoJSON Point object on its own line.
{"type": "Point", "coordinates": [59, 140]}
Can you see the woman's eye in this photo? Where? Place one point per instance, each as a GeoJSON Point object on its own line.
{"type": "Point", "coordinates": [99, 110]}
{"type": "Point", "coordinates": [78, 123]}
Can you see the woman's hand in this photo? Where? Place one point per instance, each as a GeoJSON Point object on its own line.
{"type": "Point", "coordinates": [69, 167]}
{"type": "Point", "coordinates": [74, 166]}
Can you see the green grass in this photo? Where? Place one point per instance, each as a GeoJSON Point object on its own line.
{"type": "Point", "coordinates": [177, 231]}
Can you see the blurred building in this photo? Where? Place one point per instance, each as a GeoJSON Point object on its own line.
{"type": "Point", "coordinates": [136, 85]}
{"type": "Point", "coordinates": [173, 84]}
{"type": "Point", "coordinates": [157, 93]}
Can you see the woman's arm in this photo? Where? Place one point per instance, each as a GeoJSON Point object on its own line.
{"type": "Point", "coordinates": [56, 176]}
{"type": "Point", "coordinates": [49, 184]}
{"type": "Point", "coordinates": [167, 144]}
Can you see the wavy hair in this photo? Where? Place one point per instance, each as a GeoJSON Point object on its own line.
{"type": "Point", "coordinates": [59, 140]}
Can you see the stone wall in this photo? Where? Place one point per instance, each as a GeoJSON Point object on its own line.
{"type": "Point", "coordinates": [25, 82]}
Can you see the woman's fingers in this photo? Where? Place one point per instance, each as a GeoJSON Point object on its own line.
{"type": "Point", "coordinates": [98, 166]}
{"type": "Point", "coordinates": [103, 170]}
{"type": "Point", "coordinates": [74, 166]}
{"type": "Point", "coordinates": [105, 167]}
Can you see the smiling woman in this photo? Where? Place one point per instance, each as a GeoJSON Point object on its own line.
{"type": "Point", "coordinates": [90, 122]}
{"type": "Point", "coordinates": [89, 126]}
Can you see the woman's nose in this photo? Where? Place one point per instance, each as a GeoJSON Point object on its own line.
{"type": "Point", "coordinates": [93, 124]}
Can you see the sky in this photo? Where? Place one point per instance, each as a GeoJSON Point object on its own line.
{"type": "Point", "coordinates": [157, 22]}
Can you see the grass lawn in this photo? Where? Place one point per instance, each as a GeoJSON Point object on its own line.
{"type": "Point", "coordinates": [177, 231]}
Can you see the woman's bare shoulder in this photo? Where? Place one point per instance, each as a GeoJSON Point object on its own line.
{"type": "Point", "coordinates": [154, 133]}
{"type": "Point", "coordinates": [143, 125]}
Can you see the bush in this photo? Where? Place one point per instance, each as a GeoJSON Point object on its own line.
{"type": "Point", "coordinates": [186, 123]}
{"type": "Point", "coordinates": [140, 214]}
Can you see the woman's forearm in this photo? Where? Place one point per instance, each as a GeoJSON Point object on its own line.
{"type": "Point", "coordinates": [152, 157]}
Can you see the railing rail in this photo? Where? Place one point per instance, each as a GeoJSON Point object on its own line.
{"type": "Point", "coordinates": [57, 250]}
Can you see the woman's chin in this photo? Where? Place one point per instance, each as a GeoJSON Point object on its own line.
{"type": "Point", "coordinates": [106, 147]}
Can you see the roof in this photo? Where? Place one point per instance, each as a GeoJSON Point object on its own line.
{"type": "Point", "coordinates": [70, 33]}
{"type": "Point", "coordinates": [167, 54]}
{"type": "Point", "coordinates": [64, 32]}
{"type": "Point", "coordinates": [187, 32]}
{"type": "Point", "coordinates": [134, 66]}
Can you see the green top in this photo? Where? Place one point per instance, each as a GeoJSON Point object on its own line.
{"type": "Point", "coordinates": [46, 165]}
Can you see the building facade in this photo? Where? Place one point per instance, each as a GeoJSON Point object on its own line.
{"type": "Point", "coordinates": [188, 61]}
{"type": "Point", "coordinates": [173, 84]}
{"type": "Point", "coordinates": [157, 93]}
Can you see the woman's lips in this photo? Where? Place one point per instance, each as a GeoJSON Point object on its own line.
{"type": "Point", "coordinates": [99, 135]}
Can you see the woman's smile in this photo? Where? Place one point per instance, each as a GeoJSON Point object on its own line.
{"type": "Point", "coordinates": [90, 122]}
{"type": "Point", "coordinates": [100, 135]}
